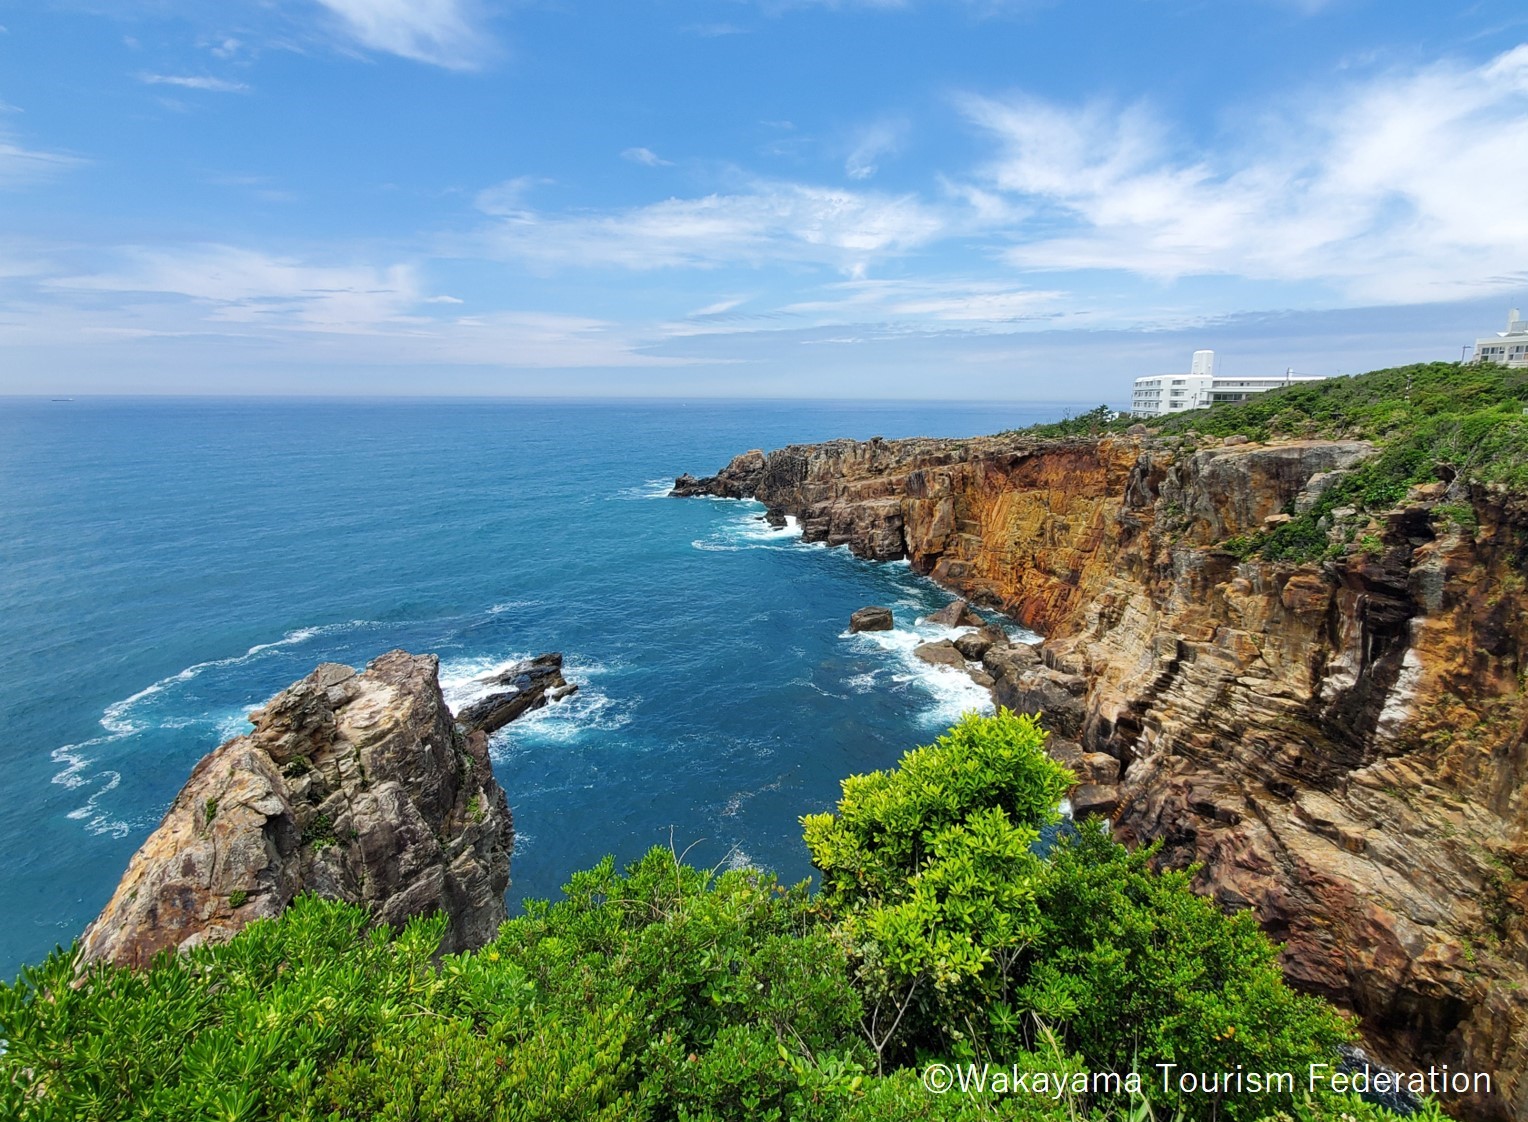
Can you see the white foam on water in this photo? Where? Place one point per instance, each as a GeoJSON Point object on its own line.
{"type": "Point", "coordinates": [510, 605]}
{"type": "Point", "coordinates": [749, 531]}
{"type": "Point", "coordinates": [567, 720]}
{"type": "Point", "coordinates": [861, 683]}
{"type": "Point", "coordinates": [739, 858]}
{"type": "Point", "coordinates": [122, 720]}
{"type": "Point", "coordinates": [951, 692]}
{"type": "Point", "coordinates": [734, 804]}
{"type": "Point", "coordinates": [467, 679]}
{"type": "Point", "coordinates": [98, 821]}
{"type": "Point", "coordinates": [654, 489]}
{"type": "Point", "coordinates": [117, 717]}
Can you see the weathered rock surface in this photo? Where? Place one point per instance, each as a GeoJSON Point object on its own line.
{"type": "Point", "coordinates": [973, 645]}
{"type": "Point", "coordinates": [356, 786]}
{"type": "Point", "coordinates": [873, 618]}
{"type": "Point", "coordinates": [941, 653]}
{"type": "Point", "coordinates": [957, 613]}
{"type": "Point", "coordinates": [735, 481]}
{"type": "Point", "coordinates": [531, 684]}
{"type": "Point", "coordinates": [1343, 746]}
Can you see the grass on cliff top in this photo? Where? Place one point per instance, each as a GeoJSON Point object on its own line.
{"type": "Point", "coordinates": [1429, 421]}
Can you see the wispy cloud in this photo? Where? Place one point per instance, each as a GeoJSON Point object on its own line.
{"type": "Point", "coordinates": [343, 312]}
{"type": "Point", "coordinates": [969, 303]}
{"type": "Point", "coordinates": [194, 82]}
{"type": "Point", "coordinates": [440, 32]}
{"type": "Point", "coordinates": [1405, 187]}
{"type": "Point", "coordinates": [875, 142]}
{"type": "Point", "coordinates": [245, 286]}
{"type": "Point", "coordinates": [21, 166]}
{"type": "Point", "coordinates": [646, 157]}
{"type": "Point", "coordinates": [714, 30]}
{"type": "Point", "coordinates": [767, 222]}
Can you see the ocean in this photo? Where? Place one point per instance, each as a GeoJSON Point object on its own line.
{"type": "Point", "coordinates": [168, 564]}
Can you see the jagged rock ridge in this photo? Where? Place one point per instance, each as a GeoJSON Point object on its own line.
{"type": "Point", "coordinates": [1342, 744]}
{"type": "Point", "coordinates": [356, 786]}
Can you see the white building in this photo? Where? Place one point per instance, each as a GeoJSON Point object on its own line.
{"type": "Point", "coordinates": [1507, 348]}
{"type": "Point", "coordinates": [1160, 394]}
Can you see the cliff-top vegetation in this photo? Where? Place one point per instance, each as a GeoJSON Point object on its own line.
{"type": "Point", "coordinates": [1430, 422]}
{"type": "Point", "coordinates": [942, 933]}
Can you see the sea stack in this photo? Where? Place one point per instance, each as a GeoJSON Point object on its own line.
{"type": "Point", "coordinates": [353, 785]}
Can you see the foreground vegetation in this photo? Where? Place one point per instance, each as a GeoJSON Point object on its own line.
{"type": "Point", "coordinates": [665, 992]}
{"type": "Point", "coordinates": [1430, 421]}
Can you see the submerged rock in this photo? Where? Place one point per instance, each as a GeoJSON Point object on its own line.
{"type": "Point", "coordinates": [873, 618]}
{"type": "Point", "coordinates": [355, 786]}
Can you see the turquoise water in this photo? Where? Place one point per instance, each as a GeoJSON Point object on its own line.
{"type": "Point", "coordinates": [166, 565]}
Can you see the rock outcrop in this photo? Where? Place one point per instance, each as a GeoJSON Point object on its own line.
{"type": "Point", "coordinates": [873, 618]}
{"type": "Point", "coordinates": [1341, 745]}
{"type": "Point", "coordinates": [957, 613]}
{"type": "Point", "coordinates": [527, 685]}
{"type": "Point", "coordinates": [357, 786]}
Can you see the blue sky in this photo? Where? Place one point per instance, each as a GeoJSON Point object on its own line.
{"type": "Point", "coordinates": [986, 199]}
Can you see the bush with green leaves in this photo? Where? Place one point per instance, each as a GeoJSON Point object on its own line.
{"type": "Point", "coordinates": [670, 994]}
{"type": "Point", "coordinates": [966, 940]}
{"type": "Point", "coordinates": [1133, 967]}
{"type": "Point", "coordinates": [931, 871]}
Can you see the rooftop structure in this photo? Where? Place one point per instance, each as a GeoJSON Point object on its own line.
{"type": "Point", "coordinates": [1509, 347]}
{"type": "Point", "coordinates": [1158, 395]}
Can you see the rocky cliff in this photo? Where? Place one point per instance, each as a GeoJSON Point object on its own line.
{"type": "Point", "coordinates": [357, 786]}
{"type": "Point", "coordinates": [1340, 744]}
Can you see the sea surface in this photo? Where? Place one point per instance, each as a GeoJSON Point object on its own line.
{"type": "Point", "coordinates": [168, 564]}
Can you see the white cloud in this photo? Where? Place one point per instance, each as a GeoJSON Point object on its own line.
{"type": "Point", "coordinates": [247, 287]}
{"type": "Point", "coordinates": [296, 310]}
{"type": "Point", "coordinates": [1406, 187]}
{"type": "Point", "coordinates": [439, 32]}
{"type": "Point", "coordinates": [970, 304]}
{"type": "Point", "coordinates": [194, 82]}
{"type": "Point", "coordinates": [767, 222]}
{"type": "Point", "coordinates": [879, 140]}
{"type": "Point", "coordinates": [647, 157]}
{"type": "Point", "coordinates": [507, 199]}
{"type": "Point", "coordinates": [20, 166]}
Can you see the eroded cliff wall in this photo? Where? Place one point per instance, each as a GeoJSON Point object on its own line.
{"type": "Point", "coordinates": [1340, 744]}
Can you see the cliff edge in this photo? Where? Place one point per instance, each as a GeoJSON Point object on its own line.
{"type": "Point", "coordinates": [353, 785]}
{"type": "Point", "coordinates": [1340, 743]}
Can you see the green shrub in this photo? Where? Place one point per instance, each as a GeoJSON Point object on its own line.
{"type": "Point", "coordinates": [666, 993]}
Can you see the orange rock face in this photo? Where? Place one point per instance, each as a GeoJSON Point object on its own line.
{"type": "Point", "coordinates": [1341, 744]}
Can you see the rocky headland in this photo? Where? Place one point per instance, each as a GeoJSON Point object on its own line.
{"type": "Point", "coordinates": [353, 785]}
{"type": "Point", "coordinates": [1339, 744]}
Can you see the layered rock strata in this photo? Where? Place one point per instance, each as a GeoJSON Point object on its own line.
{"type": "Point", "coordinates": [355, 786]}
{"type": "Point", "coordinates": [1340, 744]}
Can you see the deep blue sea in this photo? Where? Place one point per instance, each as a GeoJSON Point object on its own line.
{"type": "Point", "coordinates": [167, 565]}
